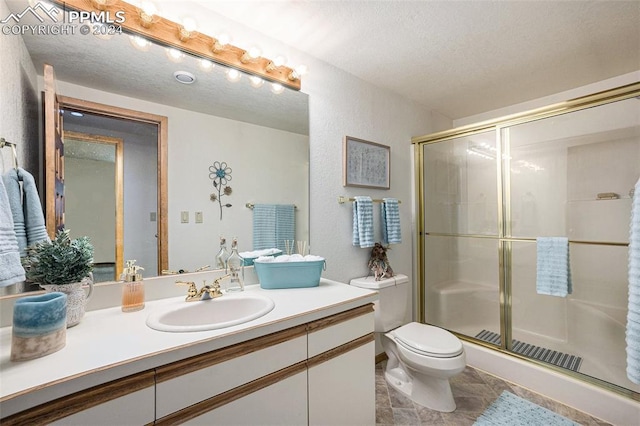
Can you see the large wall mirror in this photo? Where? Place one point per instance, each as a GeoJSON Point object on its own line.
{"type": "Point", "coordinates": [262, 137]}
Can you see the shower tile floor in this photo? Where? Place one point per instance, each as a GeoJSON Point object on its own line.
{"type": "Point", "coordinates": [473, 391]}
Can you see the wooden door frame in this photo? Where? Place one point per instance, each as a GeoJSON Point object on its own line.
{"type": "Point", "coordinates": [118, 144]}
{"type": "Point", "coordinates": [162, 142]}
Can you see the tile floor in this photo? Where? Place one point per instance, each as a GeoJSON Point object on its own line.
{"type": "Point", "coordinates": [473, 391]}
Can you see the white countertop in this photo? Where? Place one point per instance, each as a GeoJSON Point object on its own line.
{"type": "Point", "coordinates": [109, 344]}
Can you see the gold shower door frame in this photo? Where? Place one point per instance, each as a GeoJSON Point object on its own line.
{"type": "Point", "coordinates": [505, 239]}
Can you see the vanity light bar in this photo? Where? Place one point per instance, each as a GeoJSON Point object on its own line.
{"type": "Point", "coordinates": [171, 34]}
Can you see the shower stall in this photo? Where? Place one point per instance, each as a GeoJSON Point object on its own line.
{"type": "Point", "coordinates": [486, 192]}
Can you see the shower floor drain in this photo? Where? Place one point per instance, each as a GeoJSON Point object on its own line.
{"type": "Point", "coordinates": [570, 362]}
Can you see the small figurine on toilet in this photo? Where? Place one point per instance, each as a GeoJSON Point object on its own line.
{"type": "Point", "coordinates": [379, 263]}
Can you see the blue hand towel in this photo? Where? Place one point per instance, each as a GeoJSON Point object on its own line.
{"type": "Point", "coordinates": [633, 313]}
{"type": "Point", "coordinates": [285, 225]}
{"type": "Point", "coordinates": [553, 266]}
{"type": "Point", "coordinates": [390, 214]}
{"type": "Point", "coordinates": [363, 222]}
{"type": "Point", "coordinates": [264, 225]}
{"type": "Point", "coordinates": [272, 225]}
{"type": "Point", "coordinates": [14, 192]}
{"type": "Point", "coordinates": [32, 209]}
{"type": "Point", "coordinates": [11, 270]}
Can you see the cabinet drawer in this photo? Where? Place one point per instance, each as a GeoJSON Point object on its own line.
{"type": "Point", "coordinates": [282, 403]}
{"type": "Point", "coordinates": [334, 331]}
{"type": "Point", "coordinates": [188, 382]}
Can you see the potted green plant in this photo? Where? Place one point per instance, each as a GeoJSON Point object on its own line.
{"type": "Point", "coordinates": [63, 265]}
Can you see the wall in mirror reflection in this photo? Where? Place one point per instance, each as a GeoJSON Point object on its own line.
{"type": "Point", "coordinates": [268, 166]}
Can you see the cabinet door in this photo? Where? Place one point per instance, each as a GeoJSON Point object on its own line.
{"type": "Point", "coordinates": [186, 383]}
{"type": "Point", "coordinates": [282, 403]}
{"type": "Point", "coordinates": [342, 389]}
{"type": "Point", "coordinates": [137, 408]}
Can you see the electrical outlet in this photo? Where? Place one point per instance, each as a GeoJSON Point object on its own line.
{"type": "Point", "coordinates": [198, 217]}
{"type": "Point", "coordinates": [184, 217]}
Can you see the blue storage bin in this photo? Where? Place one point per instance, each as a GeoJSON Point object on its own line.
{"type": "Point", "coordinates": [274, 275]}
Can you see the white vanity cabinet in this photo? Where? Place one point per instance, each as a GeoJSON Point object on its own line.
{"type": "Point", "coordinates": [341, 369]}
{"type": "Point", "coordinates": [212, 384]}
{"type": "Point", "coordinates": [320, 372]}
{"type": "Point", "coordinates": [282, 403]}
{"type": "Point", "coordinates": [126, 401]}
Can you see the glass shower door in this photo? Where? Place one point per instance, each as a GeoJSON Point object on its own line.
{"type": "Point", "coordinates": [461, 234]}
{"type": "Point", "coordinates": [570, 176]}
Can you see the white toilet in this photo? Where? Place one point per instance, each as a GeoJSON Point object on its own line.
{"type": "Point", "coordinates": [422, 358]}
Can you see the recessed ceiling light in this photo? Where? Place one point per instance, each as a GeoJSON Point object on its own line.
{"type": "Point", "coordinates": [184, 77]}
{"type": "Point", "coordinates": [76, 114]}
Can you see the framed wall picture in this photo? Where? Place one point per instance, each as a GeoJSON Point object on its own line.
{"type": "Point", "coordinates": [365, 164]}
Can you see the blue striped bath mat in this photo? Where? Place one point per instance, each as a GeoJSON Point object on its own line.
{"type": "Point", "coordinates": [511, 410]}
{"type": "Point", "coordinates": [570, 362]}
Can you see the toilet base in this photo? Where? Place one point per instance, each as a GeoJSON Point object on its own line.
{"type": "Point", "coordinates": [434, 394]}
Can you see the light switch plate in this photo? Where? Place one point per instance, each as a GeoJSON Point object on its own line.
{"type": "Point", "coordinates": [184, 217]}
{"type": "Point", "coordinates": [198, 217]}
{"type": "Point", "coordinates": [152, 216]}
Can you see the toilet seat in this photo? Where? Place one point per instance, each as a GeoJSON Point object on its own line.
{"type": "Point", "coordinates": [428, 340]}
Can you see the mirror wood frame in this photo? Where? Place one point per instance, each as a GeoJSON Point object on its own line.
{"type": "Point", "coordinates": [115, 112]}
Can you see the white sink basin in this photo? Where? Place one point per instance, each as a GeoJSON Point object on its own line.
{"type": "Point", "coordinates": [212, 314]}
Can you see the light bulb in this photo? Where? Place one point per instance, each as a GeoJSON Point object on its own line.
{"type": "Point", "coordinates": [220, 43]}
{"type": "Point", "coordinates": [189, 24]}
{"type": "Point", "coordinates": [276, 62]}
{"type": "Point", "coordinates": [279, 61]}
{"type": "Point", "coordinates": [224, 39]}
{"type": "Point", "coordinates": [174, 55]}
{"type": "Point", "coordinates": [256, 81]}
{"type": "Point", "coordinates": [205, 64]}
{"type": "Point", "coordinates": [250, 55]}
{"type": "Point", "coordinates": [233, 75]}
{"type": "Point", "coordinates": [148, 8]}
{"type": "Point", "coordinates": [277, 88]}
{"type": "Point", "coordinates": [148, 12]}
{"type": "Point", "coordinates": [140, 43]}
{"type": "Point", "coordinates": [302, 70]}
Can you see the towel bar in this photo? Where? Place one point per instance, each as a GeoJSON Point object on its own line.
{"type": "Point", "coordinates": [251, 206]}
{"type": "Point", "coordinates": [342, 200]}
{"type": "Point", "coordinates": [3, 143]}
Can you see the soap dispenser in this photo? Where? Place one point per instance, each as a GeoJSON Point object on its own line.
{"type": "Point", "coordinates": [223, 255]}
{"type": "Point", "coordinates": [235, 267]}
{"type": "Point", "coordinates": [133, 288]}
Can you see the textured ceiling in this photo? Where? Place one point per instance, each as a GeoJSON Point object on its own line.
{"type": "Point", "coordinates": [457, 57]}
{"type": "Point", "coordinates": [115, 66]}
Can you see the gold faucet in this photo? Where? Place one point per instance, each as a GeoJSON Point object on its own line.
{"type": "Point", "coordinates": [206, 292]}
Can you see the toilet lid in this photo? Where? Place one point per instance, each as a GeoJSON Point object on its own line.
{"type": "Point", "coordinates": [428, 340]}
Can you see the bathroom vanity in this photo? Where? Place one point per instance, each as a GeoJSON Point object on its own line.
{"type": "Point", "coordinates": [308, 361]}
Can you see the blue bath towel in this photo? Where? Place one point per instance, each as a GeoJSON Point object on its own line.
{"type": "Point", "coordinates": [14, 192]}
{"type": "Point", "coordinates": [26, 210]}
{"type": "Point", "coordinates": [272, 225]}
{"type": "Point", "coordinates": [11, 270]}
{"type": "Point", "coordinates": [633, 313]}
{"type": "Point", "coordinates": [363, 222]}
{"type": "Point", "coordinates": [390, 215]}
{"type": "Point", "coordinates": [32, 209]}
{"type": "Point", "coordinates": [553, 271]}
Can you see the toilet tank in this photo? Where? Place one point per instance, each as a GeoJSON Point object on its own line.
{"type": "Point", "coordinates": [390, 310]}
